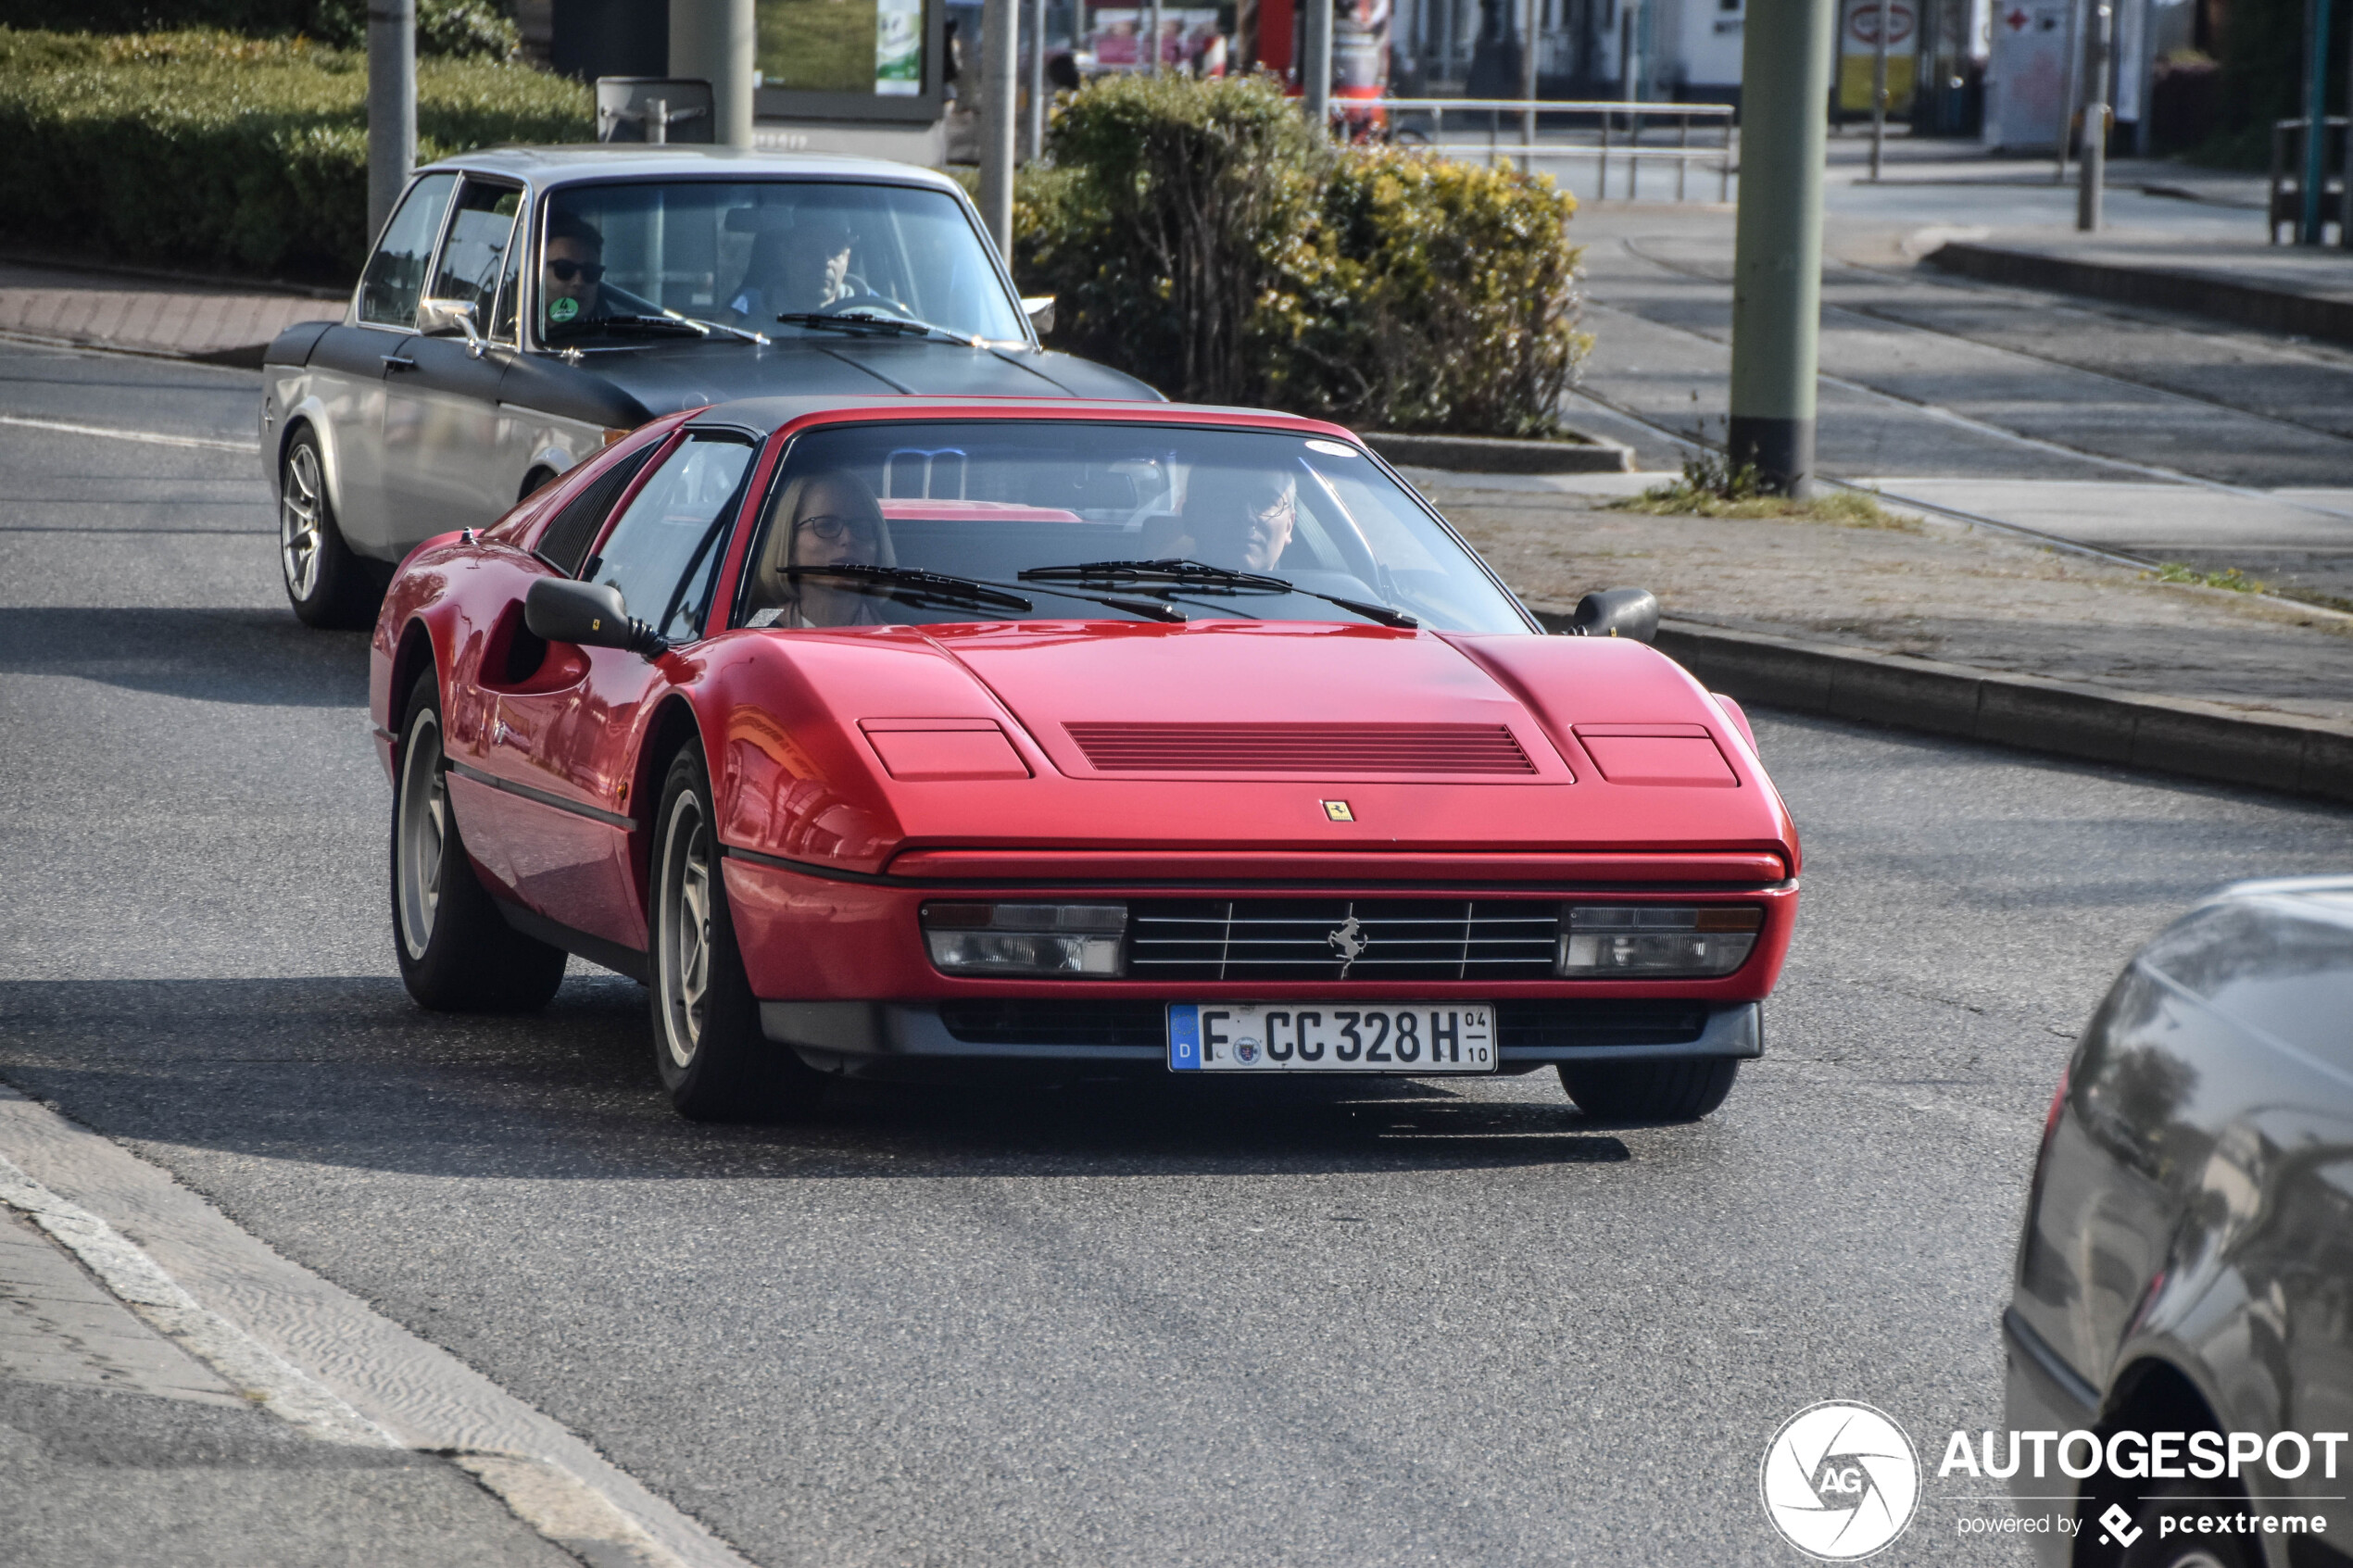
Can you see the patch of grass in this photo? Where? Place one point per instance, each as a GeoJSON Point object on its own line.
{"type": "Point", "coordinates": [1712, 486]}
{"type": "Point", "coordinates": [2231, 578]}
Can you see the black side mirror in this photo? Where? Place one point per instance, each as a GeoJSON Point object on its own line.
{"type": "Point", "coordinates": [588, 614]}
{"type": "Point", "coordinates": [1617, 612]}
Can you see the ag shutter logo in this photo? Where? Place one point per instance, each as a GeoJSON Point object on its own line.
{"type": "Point", "coordinates": [1839, 1481]}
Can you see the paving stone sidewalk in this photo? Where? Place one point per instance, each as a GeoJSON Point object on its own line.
{"type": "Point", "coordinates": [216, 321]}
{"type": "Point", "coordinates": [1928, 588]}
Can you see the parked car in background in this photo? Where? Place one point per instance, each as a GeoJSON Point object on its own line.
{"type": "Point", "coordinates": [890, 735]}
{"type": "Point", "coordinates": [2187, 1262]}
{"type": "Point", "coordinates": [524, 309]}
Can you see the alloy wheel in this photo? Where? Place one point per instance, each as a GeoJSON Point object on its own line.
{"type": "Point", "coordinates": [423, 831]}
{"type": "Point", "coordinates": [684, 938]}
{"type": "Point", "coordinates": [301, 506]}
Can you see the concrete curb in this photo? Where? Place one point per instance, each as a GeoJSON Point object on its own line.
{"type": "Point", "coordinates": [2198, 293]}
{"type": "Point", "coordinates": [1488, 453]}
{"type": "Point", "coordinates": [2200, 740]}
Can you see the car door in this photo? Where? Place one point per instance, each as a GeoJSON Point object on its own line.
{"type": "Point", "coordinates": [564, 742]}
{"type": "Point", "coordinates": [349, 363]}
{"type": "Point", "coordinates": [441, 412]}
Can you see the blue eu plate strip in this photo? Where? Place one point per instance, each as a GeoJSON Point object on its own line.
{"type": "Point", "coordinates": [1184, 1037]}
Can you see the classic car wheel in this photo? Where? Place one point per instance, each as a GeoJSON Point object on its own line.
{"type": "Point", "coordinates": [1649, 1091]}
{"type": "Point", "coordinates": [715, 1060]}
{"type": "Point", "coordinates": [456, 953]}
{"type": "Point", "coordinates": [326, 583]}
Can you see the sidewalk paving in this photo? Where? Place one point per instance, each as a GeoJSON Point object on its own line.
{"type": "Point", "coordinates": [217, 322]}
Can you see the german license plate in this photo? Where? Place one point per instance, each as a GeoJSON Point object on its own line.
{"type": "Point", "coordinates": [1418, 1037]}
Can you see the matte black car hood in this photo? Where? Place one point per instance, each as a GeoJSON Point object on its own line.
{"type": "Point", "coordinates": [626, 387]}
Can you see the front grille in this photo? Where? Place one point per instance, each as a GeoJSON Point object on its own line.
{"type": "Point", "coordinates": [1043, 1021]}
{"type": "Point", "coordinates": [1341, 939]}
{"type": "Point", "coordinates": [1522, 1025]}
{"type": "Point", "coordinates": [1329, 749]}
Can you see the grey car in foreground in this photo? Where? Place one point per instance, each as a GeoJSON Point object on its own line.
{"type": "Point", "coordinates": [524, 308]}
{"type": "Point", "coordinates": [2185, 1284]}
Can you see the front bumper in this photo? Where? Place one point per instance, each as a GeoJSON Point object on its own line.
{"type": "Point", "coordinates": [861, 1039]}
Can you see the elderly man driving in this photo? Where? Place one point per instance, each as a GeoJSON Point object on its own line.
{"type": "Point", "coordinates": [1240, 518]}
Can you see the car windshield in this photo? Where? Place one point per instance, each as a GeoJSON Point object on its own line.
{"type": "Point", "coordinates": [618, 261]}
{"type": "Point", "coordinates": [906, 523]}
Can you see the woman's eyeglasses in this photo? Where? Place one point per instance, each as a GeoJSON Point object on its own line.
{"type": "Point", "coordinates": [565, 271]}
{"type": "Point", "coordinates": [834, 529]}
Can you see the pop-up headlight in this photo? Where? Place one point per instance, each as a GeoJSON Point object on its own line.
{"type": "Point", "coordinates": [1605, 941]}
{"type": "Point", "coordinates": [1025, 939]}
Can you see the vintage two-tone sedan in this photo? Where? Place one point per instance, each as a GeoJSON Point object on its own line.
{"type": "Point", "coordinates": [879, 735]}
{"type": "Point", "coordinates": [524, 307]}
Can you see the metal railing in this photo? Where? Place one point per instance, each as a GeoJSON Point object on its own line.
{"type": "Point", "coordinates": [1600, 130]}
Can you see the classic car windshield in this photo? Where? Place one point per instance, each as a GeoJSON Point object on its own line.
{"type": "Point", "coordinates": [616, 260]}
{"type": "Point", "coordinates": [1061, 519]}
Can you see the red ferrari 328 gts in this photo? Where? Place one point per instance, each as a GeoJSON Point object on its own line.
{"type": "Point", "coordinates": [878, 735]}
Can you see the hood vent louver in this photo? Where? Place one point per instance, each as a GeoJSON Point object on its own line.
{"type": "Point", "coordinates": [1323, 749]}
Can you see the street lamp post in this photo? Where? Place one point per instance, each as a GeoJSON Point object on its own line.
{"type": "Point", "coordinates": [1036, 138]}
{"type": "Point", "coordinates": [1000, 70]}
{"type": "Point", "coordinates": [392, 105]}
{"type": "Point", "coordinates": [1878, 90]}
{"type": "Point", "coordinates": [1777, 257]}
{"type": "Point", "coordinates": [1316, 64]}
{"type": "Point", "coordinates": [714, 41]}
{"type": "Point", "coordinates": [2316, 122]}
{"type": "Point", "coordinates": [2091, 172]}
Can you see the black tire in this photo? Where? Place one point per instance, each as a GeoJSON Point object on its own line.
{"type": "Point", "coordinates": [456, 953]}
{"type": "Point", "coordinates": [2183, 1500]}
{"type": "Point", "coordinates": [1650, 1091]}
{"type": "Point", "coordinates": [716, 1062]}
{"type": "Point", "coordinates": [328, 585]}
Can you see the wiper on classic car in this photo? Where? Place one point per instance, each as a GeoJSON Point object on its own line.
{"type": "Point", "coordinates": [870, 320]}
{"type": "Point", "coordinates": [1199, 577]}
{"type": "Point", "coordinates": [651, 323]}
{"type": "Point", "coordinates": [911, 586]}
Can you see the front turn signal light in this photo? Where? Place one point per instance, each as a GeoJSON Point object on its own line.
{"type": "Point", "coordinates": [1023, 941]}
{"type": "Point", "coordinates": [1656, 941]}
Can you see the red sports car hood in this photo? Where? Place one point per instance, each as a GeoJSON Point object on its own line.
{"type": "Point", "coordinates": [1283, 738]}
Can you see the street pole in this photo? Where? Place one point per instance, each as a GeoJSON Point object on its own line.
{"type": "Point", "coordinates": [2316, 120]}
{"type": "Point", "coordinates": [714, 41]}
{"type": "Point", "coordinates": [2093, 173]}
{"type": "Point", "coordinates": [1878, 90]}
{"type": "Point", "coordinates": [1155, 21]}
{"type": "Point", "coordinates": [392, 105]}
{"type": "Point", "coordinates": [1776, 256]}
{"type": "Point", "coordinates": [1316, 64]}
{"type": "Point", "coordinates": [1000, 49]}
{"type": "Point", "coordinates": [1036, 130]}
{"type": "Point", "coordinates": [1530, 13]}
{"type": "Point", "coordinates": [2071, 83]}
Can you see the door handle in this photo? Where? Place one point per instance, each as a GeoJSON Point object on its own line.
{"type": "Point", "coordinates": [397, 362]}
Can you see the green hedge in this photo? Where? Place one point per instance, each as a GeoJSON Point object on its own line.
{"type": "Point", "coordinates": [209, 151]}
{"type": "Point", "coordinates": [1197, 235]}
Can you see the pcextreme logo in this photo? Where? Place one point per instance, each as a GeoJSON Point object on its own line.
{"type": "Point", "coordinates": [1840, 1480]}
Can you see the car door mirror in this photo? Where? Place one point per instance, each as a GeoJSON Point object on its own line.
{"type": "Point", "coordinates": [446, 318]}
{"type": "Point", "coordinates": [1617, 612]}
{"type": "Point", "coordinates": [589, 615]}
{"type": "Point", "coordinates": [1039, 308]}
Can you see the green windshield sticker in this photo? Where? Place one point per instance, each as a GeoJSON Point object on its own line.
{"type": "Point", "coordinates": [563, 310]}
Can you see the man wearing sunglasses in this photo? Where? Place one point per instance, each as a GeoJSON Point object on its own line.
{"type": "Point", "coordinates": [571, 273]}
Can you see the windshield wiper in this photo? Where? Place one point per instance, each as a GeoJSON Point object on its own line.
{"type": "Point", "coordinates": [910, 586]}
{"type": "Point", "coordinates": [874, 321]}
{"type": "Point", "coordinates": [1199, 577]}
{"type": "Point", "coordinates": [650, 323]}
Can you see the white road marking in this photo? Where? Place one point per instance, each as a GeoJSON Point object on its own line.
{"type": "Point", "coordinates": [147, 437]}
{"type": "Point", "coordinates": [300, 1331]}
{"type": "Point", "coordinates": [264, 1376]}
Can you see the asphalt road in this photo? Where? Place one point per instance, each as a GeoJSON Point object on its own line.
{"type": "Point", "coordinates": [1076, 1322]}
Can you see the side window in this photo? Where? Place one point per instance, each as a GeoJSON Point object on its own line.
{"type": "Point", "coordinates": [666, 548]}
{"type": "Point", "coordinates": [478, 231]}
{"type": "Point", "coordinates": [395, 280]}
{"type": "Point", "coordinates": [564, 544]}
